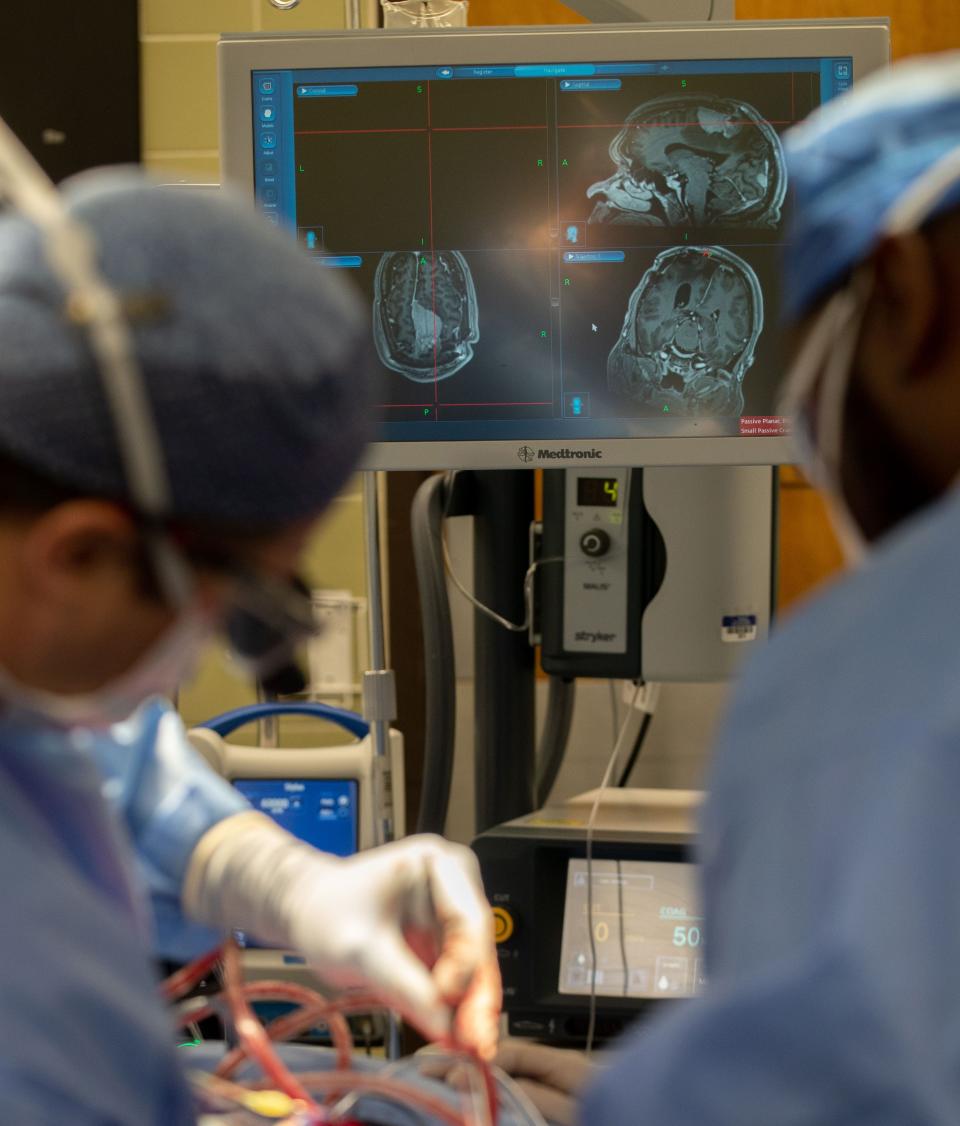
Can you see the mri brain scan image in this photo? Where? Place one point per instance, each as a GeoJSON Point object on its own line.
{"type": "Point", "coordinates": [689, 335]}
{"type": "Point", "coordinates": [693, 160]}
{"type": "Point", "coordinates": [425, 317]}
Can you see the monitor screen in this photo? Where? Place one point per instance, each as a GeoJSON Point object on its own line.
{"type": "Point", "coordinates": [564, 250]}
{"type": "Point", "coordinates": [323, 812]}
{"type": "Point", "coordinates": [647, 930]}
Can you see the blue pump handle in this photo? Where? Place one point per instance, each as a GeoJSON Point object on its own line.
{"type": "Point", "coordinates": [230, 721]}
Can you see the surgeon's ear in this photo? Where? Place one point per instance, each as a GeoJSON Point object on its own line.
{"type": "Point", "coordinates": [77, 547]}
{"type": "Point", "coordinates": [900, 342]}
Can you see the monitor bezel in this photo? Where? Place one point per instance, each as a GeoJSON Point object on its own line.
{"type": "Point", "coordinates": [866, 41]}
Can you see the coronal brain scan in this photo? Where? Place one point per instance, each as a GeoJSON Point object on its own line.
{"type": "Point", "coordinates": [689, 334]}
{"type": "Point", "coordinates": [693, 161]}
{"type": "Point", "coordinates": [425, 315]}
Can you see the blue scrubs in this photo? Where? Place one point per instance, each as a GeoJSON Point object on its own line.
{"type": "Point", "coordinates": [84, 1041]}
{"type": "Point", "coordinates": [167, 797]}
{"type": "Point", "coordinates": [831, 873]}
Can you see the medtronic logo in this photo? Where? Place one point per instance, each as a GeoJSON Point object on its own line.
{"type": "Point", "coordinates": [525, 453]}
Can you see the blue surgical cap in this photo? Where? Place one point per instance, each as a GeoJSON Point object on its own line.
{"type": "Point", "coordinates": [853, 159]}
{"type": "Point", "coordinates": [256, 359]}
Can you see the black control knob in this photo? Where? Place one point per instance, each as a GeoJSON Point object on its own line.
{"type": "Point", "coordinates": [594, 543]}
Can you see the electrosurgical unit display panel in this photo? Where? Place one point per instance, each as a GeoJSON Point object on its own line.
{"type": "Point", "coordinates": [322, 812]}
{"type": "Point", "coordinates": [567, 241]}
{"type": "Point", "coordinates": [647, 931]}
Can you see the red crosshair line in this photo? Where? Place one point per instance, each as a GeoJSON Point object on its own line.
{"type": "Point", "coordinates": [506, 403]}
{"type": "Point", "coordinates": [658, 124]}
{"type": "Point", "coordinates": [433, 260]}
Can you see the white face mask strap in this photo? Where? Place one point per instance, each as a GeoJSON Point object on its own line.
{"type": "Point", "coordinates": [921, 198]}
{"type": "Point", "coordinates": [71, 252]}
{"type": "Point", "coordinates": [814, 355]}
{"type": "Point", "coordinates": [829, 349]}
{"type": "Point", "coordinates": [831, 403]}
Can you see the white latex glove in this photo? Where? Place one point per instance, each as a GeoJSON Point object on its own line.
{"type": "Point", "coordinates": [408, 920]}
{"type": "Point", "coordinates": [551, 1078]}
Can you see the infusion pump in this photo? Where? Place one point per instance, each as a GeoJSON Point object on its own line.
{"type": "Point", "coordinates": [627, 925]}
{"type": "Point", "coordinates": [323, 795]}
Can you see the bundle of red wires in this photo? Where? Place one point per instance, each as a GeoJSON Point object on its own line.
{"type": "Point", "coordinates": [256, 1042]}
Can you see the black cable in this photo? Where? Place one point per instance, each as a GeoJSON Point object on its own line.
{"type": "Point", "coordinates": [637, 748]}
{"type": "Point", "coordinates": [555, 735]}
{"type": "Point", "coordinates": [426, 518]}
{"type": "Point", "coordinates": [710, 13]}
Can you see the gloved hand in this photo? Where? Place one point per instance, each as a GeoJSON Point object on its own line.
{"type": "Point", "coordinates": [551, 1078]}
{"type": "Point", "coordinates": [408, 920]}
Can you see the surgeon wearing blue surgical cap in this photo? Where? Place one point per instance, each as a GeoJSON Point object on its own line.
{"type": "Point", "coordinates": [116, 840]}
{"type": "Point", "coordinates": [830, 843]}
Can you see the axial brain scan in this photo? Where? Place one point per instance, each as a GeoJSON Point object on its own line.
{"type": "Point", "coordinates": [689, 335]}
{"type": "Point", "coordinates": [425, 317]}
{"type": "Point", "coordinates": [693, 160]}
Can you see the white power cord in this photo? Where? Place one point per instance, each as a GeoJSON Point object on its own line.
{"type": "Point", "coordinates": [623, 740]}
{"type": "Point", "coordinates": [614, 709]}
{"type": "Point", "coordinates": [514, 627]}
{"type": "Point", "coordinates": [488, 611]}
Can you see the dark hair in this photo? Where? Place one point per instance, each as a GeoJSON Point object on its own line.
{"type": "Point", "coordinates": [26, 491]}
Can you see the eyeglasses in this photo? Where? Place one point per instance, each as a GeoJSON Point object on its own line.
{"type": "Point", "coordinates": [268, 619]}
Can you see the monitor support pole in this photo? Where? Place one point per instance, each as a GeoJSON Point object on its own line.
{"type": "Point", "coordinates": [379, 693]}
{"type": "Point", "coordinates": [379, 687]}
{"type": "Point", "coordinates": [501, 505]}
{"type": "Point", "coordinates": [504, 742]}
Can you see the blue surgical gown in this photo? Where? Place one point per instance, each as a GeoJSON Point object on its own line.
{"type": "Point", "coordinates": [84, 1041]}
{"type": "Point", "coordinates": [831, 873]}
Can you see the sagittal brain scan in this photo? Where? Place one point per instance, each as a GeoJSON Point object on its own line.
{"type": "Point", "coordinates": [425, 315]}
{"type": "Point", "coordinates": [693, 161]}
{"type": "Point", "coordinates": [689, 335]}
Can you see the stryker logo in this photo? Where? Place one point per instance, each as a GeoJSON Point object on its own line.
{"type": "Point", "coordinates": [526, 454]}
{"type": "Point", "coordinates": [590, 635]}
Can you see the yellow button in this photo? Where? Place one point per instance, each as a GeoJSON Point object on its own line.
{"type": "Point", "coordinates": [503, 924]}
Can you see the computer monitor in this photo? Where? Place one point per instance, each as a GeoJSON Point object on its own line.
{"type": "Point", "coordinates": [568, 238]}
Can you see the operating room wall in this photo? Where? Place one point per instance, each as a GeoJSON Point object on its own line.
{"type": "Point", "coordinates": [178, 54]}
{"type": "Point", "coordinates": [915, 28]}
{"type": "Point", "coordinates": [178, 41]}
{"type": "Point", "coordinates": [676, 751]}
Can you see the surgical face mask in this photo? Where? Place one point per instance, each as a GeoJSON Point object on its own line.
{"type": "Point", "coordinates": [156, 673]}
{"type": "Point", "coordinates": [813, 399]}
{"type": "Point", "coordinates": [818, 384]}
